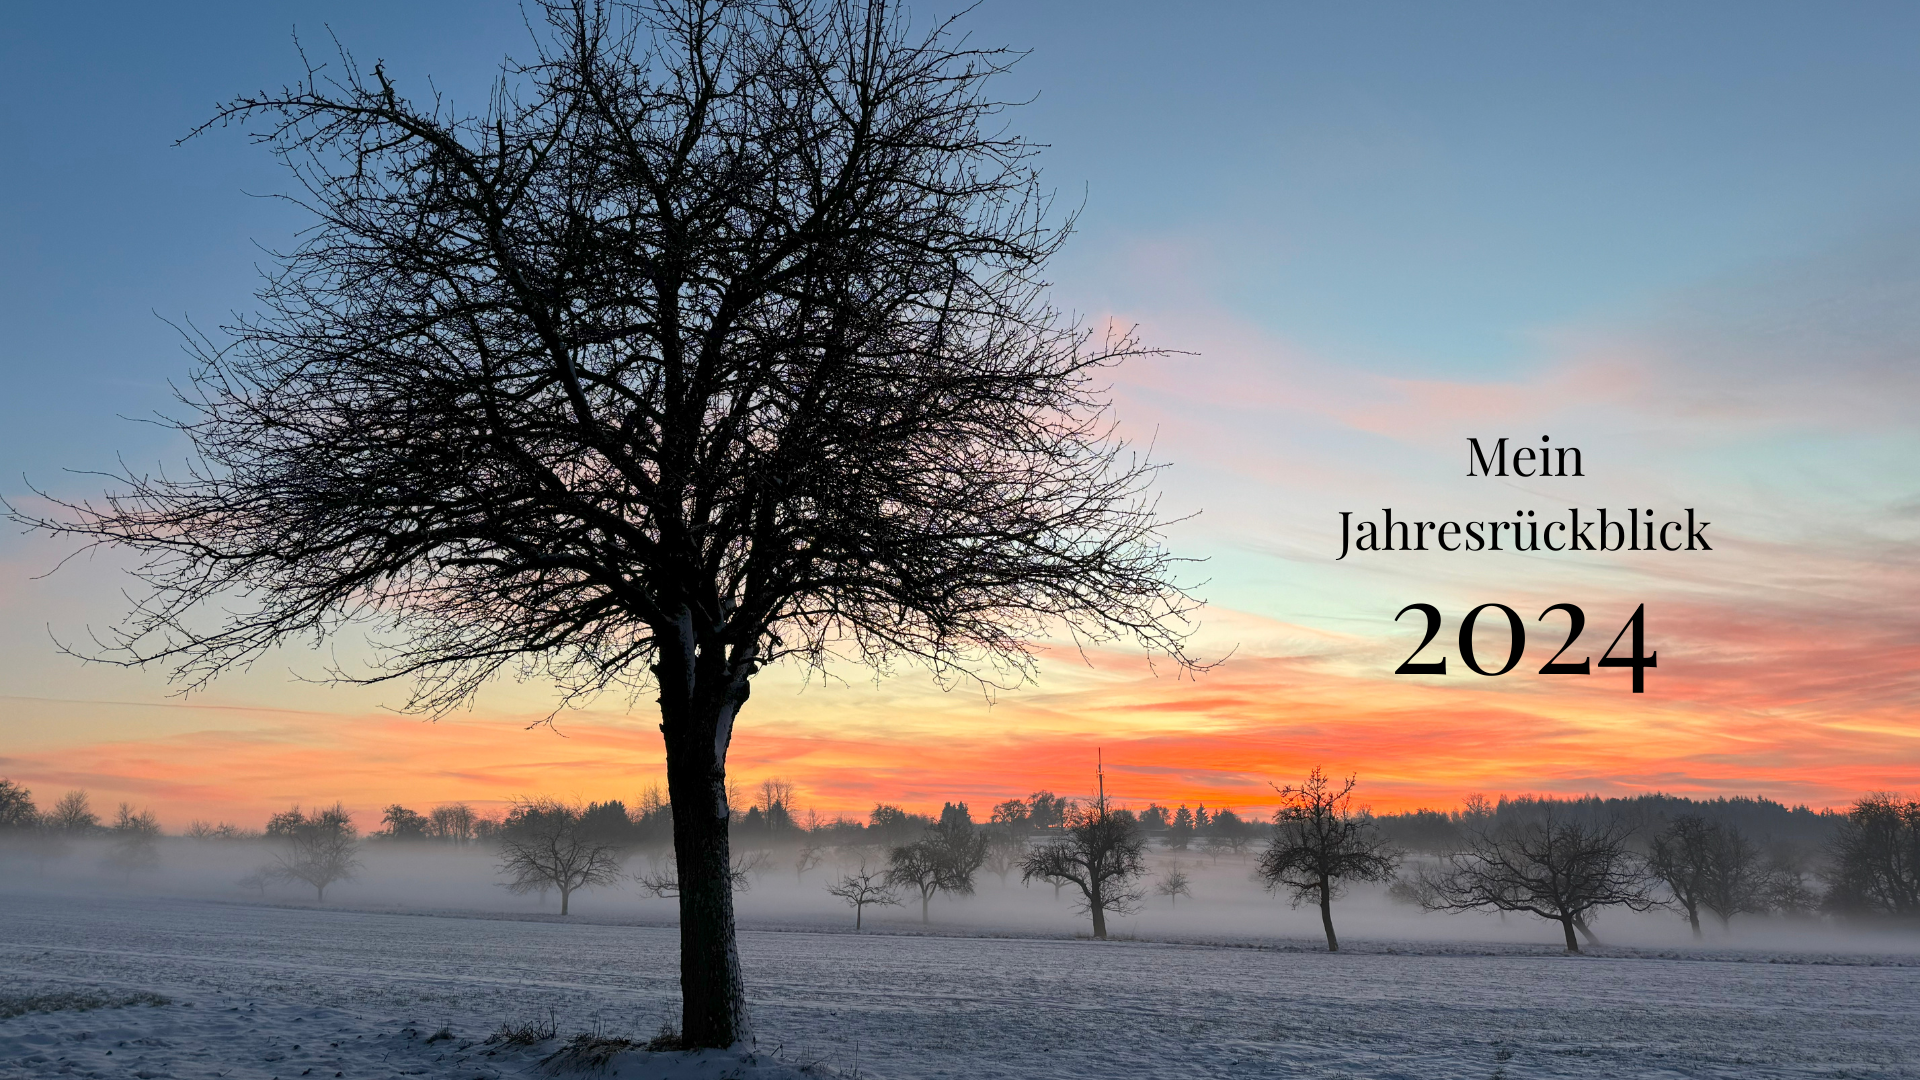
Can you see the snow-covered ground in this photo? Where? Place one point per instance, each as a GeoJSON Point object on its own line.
{"type": "Point", "coordinates": [268, 991]}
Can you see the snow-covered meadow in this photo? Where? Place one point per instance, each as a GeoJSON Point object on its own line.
{"type": "Point", "coordinates": [275, 989]}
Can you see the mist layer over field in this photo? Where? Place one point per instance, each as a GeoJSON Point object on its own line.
{"type": "Point", "coordinates": [1227, 903]}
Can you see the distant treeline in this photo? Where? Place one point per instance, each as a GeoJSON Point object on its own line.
{"type": "Point", "coordinates": [772, 814]}
{"type": "Point", "coordinates": [1770, 822]}
{"type": "Point", "coordinates": [1722, 856]}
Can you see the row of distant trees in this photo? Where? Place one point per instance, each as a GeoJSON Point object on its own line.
{"type": "Point", "coordinates": [1563, 860]}
{"type": "Point", "coordinates": [133, 835]}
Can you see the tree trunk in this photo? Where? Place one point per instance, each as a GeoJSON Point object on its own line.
{"type": "Point", "coordinates": [1580, 924]}
{"type": "Point", "coordinates": [1097, 904]}
{"type": "Point", "coordinates": [1693, 920]}
{"type": "Point", "coordinates": [1326, 915]}
{"type": "Point", "coordinates": [926, 897]}
{"type": "Point", "coordinates": [320, 894]}
{"type": "Point", "coordinates": [857, 908]}
{"type": "Point", "coordinates": [697, 708]}
{"type": "Point", "coordinates": [1573, 943]}
{"type": "Point", "coordinates": [564, 893]}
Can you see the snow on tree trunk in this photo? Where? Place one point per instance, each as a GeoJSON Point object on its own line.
{"type": "Point", "coordinates": [697, 724]}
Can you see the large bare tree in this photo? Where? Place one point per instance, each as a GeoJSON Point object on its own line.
{"type": "Point", "coordinates": [718, 337]}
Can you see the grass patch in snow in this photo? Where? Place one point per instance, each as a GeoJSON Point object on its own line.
{"type": "Point", "coordinates": [12, 1005]}
{"type": "Point", "coordinates": [527, 1032]}
{"type": "Point", "coordinates": [592, 1051]}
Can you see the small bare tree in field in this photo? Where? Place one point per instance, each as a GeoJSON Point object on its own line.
{"type": "Point", "coordinates": [865, 889]}
{"type": "Point", "coordinates": [1102, 853]}
{"type": "Point", "coordinates": [544, 846]}
{"type": "Point", "coordinates": [1546, 860]}
{"type": "Point", "coordinates": [943, 860]}
{"type": "Point", "coordinates": [805, 859]}
{"type": "Point", "coordinates": [318, 848]}
{"type": "Point", "coordinates": [919, 866]}
{"type": "Point", "coordinates": [1320, 843]}
{"type": "Point", "coordinates": [1174, 884]}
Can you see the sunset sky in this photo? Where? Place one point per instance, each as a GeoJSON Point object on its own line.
{"type": "Point", "coordinates": [1685, 241]}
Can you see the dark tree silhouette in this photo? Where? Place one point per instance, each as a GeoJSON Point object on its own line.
{"type": "Point", "coordinates": [546, 844]}
{"type": "Point", "coordinates": [1319, 843]}
{"type": "Point", "coordinates": [16, 807]}
{"type": "Point", "coordinates": [72, 813]}
{"type": "Point", "coordinates": [1102, 853]}
{"type": "Point", "coordinates": [943, 860]}
{"type": "Point", "coordinates": [401, 824]}
{"type": "Point", "coordinates": [1174, 884]}
{"type": "Point", "coordinates": [1876, 859]}
{"type": "Point", "coordinates": [866, 889]}
{"type": "Point", "coordinates": [317, 848]}
{"type": "Point", "coordinates": [1708, 864]}
{"type": "Point", "coordinates": [1005, 848]}
{"type": "Point", "coordinates": [719, 338]}
{"type": "Point", "coordinates": [1545, 859]}
{"type": "Point", "coordinates": [136, 841]}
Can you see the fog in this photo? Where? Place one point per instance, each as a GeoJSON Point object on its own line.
{"type": "Point", "coordinates": [1227, 904]}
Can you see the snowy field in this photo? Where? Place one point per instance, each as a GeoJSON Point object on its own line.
{"type": "Point", "coordinates": [262, 990]}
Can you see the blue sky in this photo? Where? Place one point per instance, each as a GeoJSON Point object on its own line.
{"type": "Point", "coordinates": [1412, 188]}
{"type": "Point", "coordinates": [1681, 236]}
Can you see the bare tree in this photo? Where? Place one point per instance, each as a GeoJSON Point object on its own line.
{"type": "Point", "coordinates": [1544, 859]}
{"type": "Point", "coordinates": [1102, 853]}
{"type": "Point", "coordinates": [1876, 858]}
{"type": "Point", "coordinates": [863, 889]}
{"type": "Point", "coordinates": [1174, 884]}
{"type": "Point", "coordinates": [922, 867]}
{"type": "Point", "coordinates": [218, 830]}
{"type": "Point", "coordinates": [543, 845]}
{"type": "Point", "coordinates": [719, 338]}
{"type": "Point", "coordinates": [1005, 849]}
{"type": "Point", "coordinates": [17, 811]}
{"type": "Point", "coordinates": [136, 841]}
{"type": "Point", "coordinates": [1320, 843]}
{"type": "Point", "coordinates": [1707, 864]}
{"type": "Point", "coordinates": [72, 814]}
{"type": "Point", "coordinates": [944, 859]}
{"type": "Point", "coordinates": [805, 859]}
{"type": "Point", "coordinates": [777, 791]}
{"type": "Point", "coordinates": [451, 822]}
{"type": "Point", "coordinates": [318, 848]}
